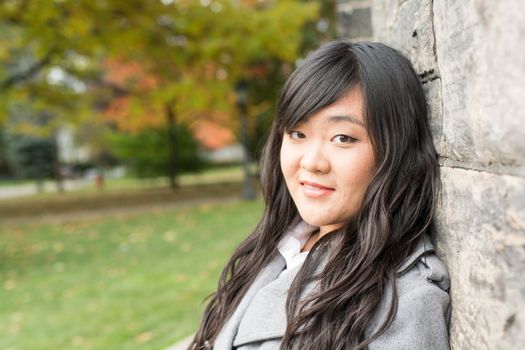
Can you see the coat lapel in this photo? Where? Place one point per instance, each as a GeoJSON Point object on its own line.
{"type": "Point", "coordinates": [225, 337]}
{"type": "Point", "coordinates": [269, 304]}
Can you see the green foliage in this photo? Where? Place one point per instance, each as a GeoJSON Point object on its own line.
{"type": "Point", "coordinates": [54, 55]}
{"type": "Point", "coordinates": [31, 157]}
{"type": "Point", "coordinates": [147, 152]}
{"type": "Point", "coordinates": [196, 52]}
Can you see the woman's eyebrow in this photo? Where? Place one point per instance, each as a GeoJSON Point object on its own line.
{"type": "Point", "coordinates": [345, 118]}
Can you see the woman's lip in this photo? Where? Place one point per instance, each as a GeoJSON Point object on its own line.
{"type": "Point", "coordinates": [315, 184]}
{"type": "Point", "coordinates": [314, 190]}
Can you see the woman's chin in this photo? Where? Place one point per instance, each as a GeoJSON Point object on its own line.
{"type": "Point", "coordinates": [316, 220]}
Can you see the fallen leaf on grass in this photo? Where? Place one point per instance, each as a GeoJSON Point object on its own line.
{"type": "Point", "coordinates": [78, 340]}
{"type": "Point", "coordinates": [144, 337]}
{"type": "Point", "coordinates": [92, 307]}
{"type": "Point", "coordinates": [116, 271]}
{"type": "Point", "coordinates": [206, 207]}
{"type": "Point", "coordinates": [58, 247]}
{"type": "Point", "coordinates": [212, 264]}
{"type": "Point", "coordinates": [14, 329]}
{"type": "Point", "coordinates": [16, 316]}
{"type": "Point", "coordinates": [70, 292]}
{"type": "Point", "coordinates": [181, 277]}
{"type": "Point", "coordinates": [59, 266]}
{"type": "Point", "coordinates": [10, 284]}
{"type": "Point", "coordinates": [169, 236]}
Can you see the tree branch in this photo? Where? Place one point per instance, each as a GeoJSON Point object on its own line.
{"type": "Point", "coordinates": [28, 73]}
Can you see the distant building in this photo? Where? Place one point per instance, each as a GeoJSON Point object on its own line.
{"type": "Point", "coordinates": [68, 151]}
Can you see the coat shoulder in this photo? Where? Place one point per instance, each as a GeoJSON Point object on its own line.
{"type": "Point", "coordinates": [423, 308]}
{"type": "Point", "coordinates": [427, 272]}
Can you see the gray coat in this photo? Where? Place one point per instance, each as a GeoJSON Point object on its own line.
{"type": "Point", "coordinates": [421, 321]}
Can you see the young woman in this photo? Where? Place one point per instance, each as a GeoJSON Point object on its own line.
{"type": "Point", "coordinates": [341, 258]}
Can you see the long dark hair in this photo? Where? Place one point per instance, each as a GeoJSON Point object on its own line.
{"type": "Point", "coordinates": [397, 207]}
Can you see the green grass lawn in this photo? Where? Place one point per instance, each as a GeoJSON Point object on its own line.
{"type": "Point", "coordinates": [126, 282]}
{"type": "Point", "coordinates": [16, 182]}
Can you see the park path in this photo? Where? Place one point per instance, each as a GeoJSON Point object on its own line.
{"type": "Point", "coordinates": [181, 345]}
{"type": "Point", "coordinates": [29, 189]}
{"type": "Point", "coordinates": [103, 212]}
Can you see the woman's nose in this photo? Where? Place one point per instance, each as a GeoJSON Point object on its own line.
{"type": "Point", "coordinates": [315, 161]}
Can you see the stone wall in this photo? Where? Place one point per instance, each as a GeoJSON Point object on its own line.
{"type": "Point", "coordinates": [353, 19]}
{"type": "Point", "coordinates": [470, 55]}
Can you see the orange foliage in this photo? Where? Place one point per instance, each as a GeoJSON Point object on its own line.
{"type": "Point", "coordinates": [119, 112]}
{"type": "Point", "coordinates": [126, 74]}
{"type": "Point", "coordinates": [130, 76]}
{"type": "Point", "coordinates": [212, 136]}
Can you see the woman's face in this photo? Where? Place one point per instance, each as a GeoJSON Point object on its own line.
{"type": "Point", "coordinates": [327, 162]}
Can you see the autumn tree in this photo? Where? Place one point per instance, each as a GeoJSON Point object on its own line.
{"type": "Point", "coordinates": [191, 55]}
{"type": "Point", "coordinates": [196, 57]}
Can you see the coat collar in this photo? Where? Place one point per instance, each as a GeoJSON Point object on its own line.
{"type": "Point", "coordinates": [301, 231]}
{"type": "Point", "coordinates": [423, 247]}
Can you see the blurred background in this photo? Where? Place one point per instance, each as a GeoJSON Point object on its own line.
{"type": "Point", "coordinates": [130, 133]}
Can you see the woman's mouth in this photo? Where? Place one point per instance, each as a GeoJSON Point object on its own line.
{"type": "Point", "coordinates": [315, 190]}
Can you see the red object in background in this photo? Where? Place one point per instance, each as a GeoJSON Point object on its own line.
{"type": "Point", "coordinates": [99, 181]}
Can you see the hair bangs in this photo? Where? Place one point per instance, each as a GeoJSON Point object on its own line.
{"type": "Point", "coordinates": [322, 78]}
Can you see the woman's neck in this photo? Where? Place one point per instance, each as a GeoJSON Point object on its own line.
{"type": "Point", "coordinates": [314, 237]}
{"type": "Point", "coordinates": [318, 234]}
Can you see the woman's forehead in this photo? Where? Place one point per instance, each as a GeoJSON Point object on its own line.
{"type": "Point", "coordinates": [347, 109]}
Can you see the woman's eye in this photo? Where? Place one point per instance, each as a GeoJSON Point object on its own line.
{"type": "Point", "coordinates": [296, 134]}
{"type": "Point", "coordinates": [343, 139]}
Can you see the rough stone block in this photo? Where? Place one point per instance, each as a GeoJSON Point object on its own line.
{"type": "Point", "coordinates": [481, 225]}
{"type": "Point", "coordinates": [433, 94]}
{"type": "Point", "coordinates": [354, 20]}
{"type": "Point", "coordinates": [409, 27]}
{"type": "Point", "coordinates": [479, 48]}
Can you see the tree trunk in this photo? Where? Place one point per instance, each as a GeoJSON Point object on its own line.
{"type": "Point", "coordinates": [59, 178]}
{"type": "Point", "coordinates": [172, 144]}
{"type": "Point", "coordinates": [40, 185]}
{"type": "Point", "coordinates": [248, 187]}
